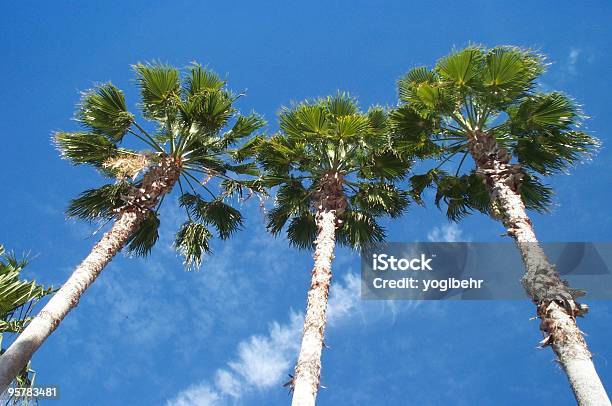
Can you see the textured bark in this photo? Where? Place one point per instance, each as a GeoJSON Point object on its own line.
{"type": "Point", "coordinates": [158, 181]}
{"type": "Point", "coordinates": [330, 204]}
{"type": "Point", "coordinates": [555, 300]}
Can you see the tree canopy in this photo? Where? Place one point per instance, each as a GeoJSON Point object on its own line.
{"type": "Point", "coordinates": [494, 91]}
{"type": "Point", "coordinates": [189, 116]}
{"type": "Point", "coordinates": [17, 300]}
{"type": "Point", "coordinates": [332, 137]}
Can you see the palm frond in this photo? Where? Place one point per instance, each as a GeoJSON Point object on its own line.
{"type": "Point", "coordinates": [380, 199]}
{"type": "Point", "coordinates": [510, 72]}
{"type": "Point", "coordinates": [226, 219]}
{"type": "Point", "coordinates": [142, 242]}
{"type": "Point", "coordinates": [249, 168]}
{"type": "Point", "coordinates": [411, 81]}
{"type": "Point", "coordinates": [411, 133]}
{"type": "Point", "coordinates": [350, 126]}
{"type": "Point", "coordinates": [211, 111]}
{"type": "Point", "coordinates": [545, 110]}
{"type": "Point", "coordinates": [462, 195]}
{"type": "Point", "coordinates": [16, 293]}
{"type": "Point", "coordinates": [311, 119]}
{"type": "Point", "coordinates": [462, 67]}
{"type": "Point", "coordinates": [291, 199]}
{"type": "Point", "coordinates": [359, 230]}
{"type": "Point", "coordinates": [99, 203]}
{"type": "Point", "coordinates": [192, 241]}
{"type": "Point", "coordinates": [201, 80]}
{"type": "Point", "coordinates": [103, 111]}
{"type": "Point", "coordinates": [244, 127]}
{"type": "Point", "coordinates": [384, 165]}
{"type": "Point", "coordinates": [535, 194]}
{"type": "Point", "coordinates": [378, 119]}
{"type": "Point", "coordinates": [159, 89]}
{"type": "Point", "coordinates": [85, 148]}
{"type": "Point", "coordinates": [302, 231]}
{"type": "Point", "coordinates": [278, 154]}
{"type": "Point", "coordinates": [342, 104]}
{"type": "Point", "coordinates": [420, 182]}
{"type": "Point", "coordinates": [546, 130]}
{"type": "Point", "coordinates": [247, 150]}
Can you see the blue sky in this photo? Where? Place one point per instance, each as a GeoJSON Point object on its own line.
{"type": "Point", "coordinates": [148, 332]}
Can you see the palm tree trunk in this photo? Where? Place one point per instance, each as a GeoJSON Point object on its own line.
{"type": "Point", "coordinates": [158, 181]}
{"type": "Point", "coordinates": [308, 368]}
{"type": "Point", "coordinates": [556, 305]}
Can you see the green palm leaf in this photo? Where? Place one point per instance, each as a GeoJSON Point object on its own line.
{"type": "Point", "coordinates": [192, 241]}
{"type": "Point", "coordinates": [15, 293]}
{"type": "Point", "coordinates": [103, 111]}
{"type": "Point", "coordinates": [142, 242]}
{"type": "Point", "coordinates": [216, 213]}
{"type": "Point", "coordinates": [415, 77]}
{"type": "Point", "coordinates": [201, 80]}
{"type": "Point", "coordinates": [85, 148]}
{"type": "Point", "coordinates": [243, 127]}
{"type": "Point", "coordinates": [359, 229]}
{"type": "Point", "coordinates": [159, 89]}
{"type": "Point", "coordinates": [490, 91]}
{"type": "Point", "coordinates": [99, 203]}
{"type": "Point", "coordinates": [302, 231]}
{"type": "Point", "coordinates": [535, 194]}
{"type": "Point", "coordinates": [380, 199]}
{"type": "Point", "coordinates": [385, 165]}
{"type": "Point", "coordinates": [312, 119]}
{"type": "Point", "coordinates": [342, 105]}
{"type": "Point", "coordinates": [545, 127]}
{"type": "Point", "coordinates": [291, 199]}
{"type": "Point", "coordinates": [461, 67]}
{"type": "Point", "coordinates": [510, 71]}
{"type": "Point", "coordinates": [330, 138]}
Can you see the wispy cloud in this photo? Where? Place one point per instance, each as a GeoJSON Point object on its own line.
{"type": "Point", "coordinates": [571, 64]}
{"type": "Point", "coordinates": [144, 304]}
{"type": "Point", "coordinates": [264, 361]}
{"type": "Point", "coordinates": [140, 302]}
{"type": "Point", "coordinates": [228, 384]}
{"type": "Point", "coordinates": [572, 60]}
{"type": "Point", "coordinates": [446, 233]}
{"type": "Point", "coordinates": [197, 395]}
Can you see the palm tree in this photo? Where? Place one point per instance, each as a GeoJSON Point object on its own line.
{"type": "Point", "coordinates": [484, 104]}
{"type": "Point", "coordinates": [17, 300]}
{"type": "Point", "coordinates": [194, 126]}
{"type": "Point", "coordinates": [334, 173]}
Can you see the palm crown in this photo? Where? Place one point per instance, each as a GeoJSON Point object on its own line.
{"type": "Point", "coordinates": [330, 139]}
{"type": "Point", "coordinates": [493, 92]}
{"type": "Point", "coordinates": [17, 300]}
{"type": "Point", "coordinates": [16, 295]}
{"type": "Point", "coordinates": [192, 119]}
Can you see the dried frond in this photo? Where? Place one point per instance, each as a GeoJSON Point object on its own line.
{"type": "Point", "coordinates": [127, 165]}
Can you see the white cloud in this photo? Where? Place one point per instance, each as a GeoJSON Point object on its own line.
{"type": "Point", "coordinates": [446, 233]}
{"type": "Point", "coordinates": [573, 56]}
{"type": "Point", "coordinates": [569, 66]}
{"type": "Point", "coordinates": [197, 395]}
{"type": "Point", "coordinates": [344, 298]}
{"type": "Point", "coordinates": [228, 383]}
{"type": "Point", "coordinates": [264, 361]}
